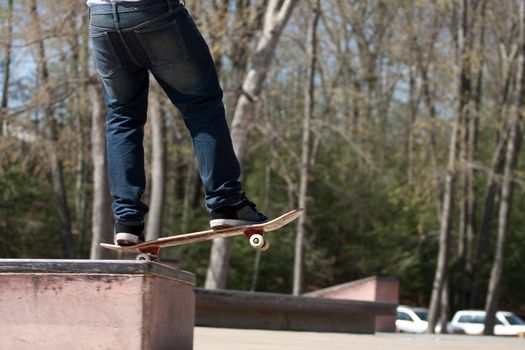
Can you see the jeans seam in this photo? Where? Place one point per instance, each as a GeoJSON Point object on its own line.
{"type": "Point", "coordinates": [115, 57]}
{"type": "Point", "coordinates": [121, 37]}
{"type": "Point", "coordinates": [137, 29]}
{"type": "Point", "coordinates": [158, 18]}
{"type": "Point", "coordinates": [149, 51]}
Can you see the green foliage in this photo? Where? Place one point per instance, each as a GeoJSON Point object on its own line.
{"type": "Point", "coordinates": [29, 226]}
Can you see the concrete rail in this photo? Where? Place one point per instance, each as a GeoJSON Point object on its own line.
{"type": "Point", "coordinates": [235, 309]}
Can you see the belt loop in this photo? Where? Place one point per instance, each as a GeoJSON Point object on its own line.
{"type": "Point", "coordinates": [115, 15]}
{"type": "Point", "coordinates": [170, 6]}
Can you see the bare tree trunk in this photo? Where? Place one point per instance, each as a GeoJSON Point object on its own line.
{"type": "Point", "coordinates": [256, 270]}
{"type": "Point", "coordinates": [427, 98]}
{"type": "Point", "coordinates": [491, 191]}
{"type": "Point", "coordinates": [471, 116]}
{"type": "Point", "coordinates": [80, 67]}
{"type": "Point", "coordinates": [444, 309]}
{"type": "Point", "coordinates": [7, 66]}
{"type": "Point", "coordinates": [217, 29]}
{"type": "Point", "coordinates": [240, 51]}
{"type": "Point", "coordinates": [158, 168]}
{"type": "Point", "coordinates": [305, 157]}
{"type": "Point", "coordinates": [414, 98]}
{"type": "Point", "coordinates": [266, 207]}
{"type": "Point", "coordinates": [356, 130]}
{"type": "Point", "coordinates": [102, 217]}
{"type": "Point", "coordinates": [465, 98]}
{"type": "Point", "coordinates": [176, 163]}
{"type": "Point", "coordinates": [515, 137]}
{"type": "Point", "coordinates": [191, 181]}
{"type": "Point", "coordinates": [444, 232]}
{"type": "Point", "coordinates": [441, 274]}
{"type": "Point", "coordinates": [217, 272]}
{"type": "Point", "coordinates": [493, 293]}
{"type": "Point", "coordinates": [57, 176]}
{"type": "Point", "coordinates": [84, 69]}
{"type": "Point", "coordinates": [472, 145]}
{"type": "Point", "coordinates": [277, 14]}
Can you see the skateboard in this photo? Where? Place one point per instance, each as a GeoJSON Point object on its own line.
{"type": "Point", "coordinates": [149, 250]}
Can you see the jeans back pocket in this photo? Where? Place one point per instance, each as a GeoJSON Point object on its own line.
{"type": "Point", "coordinates": [163, 43]}
{"type": "Point", "coordinates": [106, 59]}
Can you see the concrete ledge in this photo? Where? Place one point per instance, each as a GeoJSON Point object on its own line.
{"type": "Point", "coordinates": [375, 288]}
{"type": "Point", "coordinates": [235, 309]}
{"type": "Point", "coordinates": [131, 267]}
{"type": "Point", "coordinates": [75, 304]}
{"type": "Point", "coordinates": [342, 290]}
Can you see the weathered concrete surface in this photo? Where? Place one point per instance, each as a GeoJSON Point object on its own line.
{"type": "Point", "coordinates": [235, 339]}
{"type": "Point", "coordinates": [375, 288]}
{"type": "Point", "coordinates": [94, 305]}
{"type": "Point", "coordinates": [236, 309]}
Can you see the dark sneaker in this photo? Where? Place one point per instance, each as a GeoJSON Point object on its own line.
{"type": "Point", "coordinates": [128, 234]}
{"type": "Point", "coordinates": [239, 214]}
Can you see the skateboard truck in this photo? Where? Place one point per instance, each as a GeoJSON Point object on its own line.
{"type": "Point", "coordinates": [148, 254]}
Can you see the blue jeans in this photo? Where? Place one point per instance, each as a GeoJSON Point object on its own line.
{"type": "Point", "coordinates": [130, 40]}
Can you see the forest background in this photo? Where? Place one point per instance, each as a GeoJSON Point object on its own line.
{"type": "Point", "coordinates": [396, 124]}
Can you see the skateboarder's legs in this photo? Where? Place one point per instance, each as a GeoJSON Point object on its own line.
{"type": "Point", "coordinates": [159, 36]}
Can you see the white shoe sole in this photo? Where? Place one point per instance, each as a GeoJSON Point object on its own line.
{"type": "Point", "coordinates": [123, 238]}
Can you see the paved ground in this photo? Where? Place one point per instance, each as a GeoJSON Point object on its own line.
{"type": "Point", "coordinates": [234, 339]}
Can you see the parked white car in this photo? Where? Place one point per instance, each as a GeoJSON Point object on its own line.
{"type": "Point", "coordinates": [472, 321]}
{"type": "Point", "coordinates": [414, 320]}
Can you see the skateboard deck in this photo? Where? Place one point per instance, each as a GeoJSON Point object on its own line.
{"type": "Point", "coordinates": [149, 250]}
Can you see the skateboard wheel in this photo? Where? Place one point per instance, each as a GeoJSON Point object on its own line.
{"type": "Point", "coordinates": [265, 246]}
{"type": "Point", "coordinates": [257, 241]}
{"type": "Point", "coordinates": [143, 257]}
